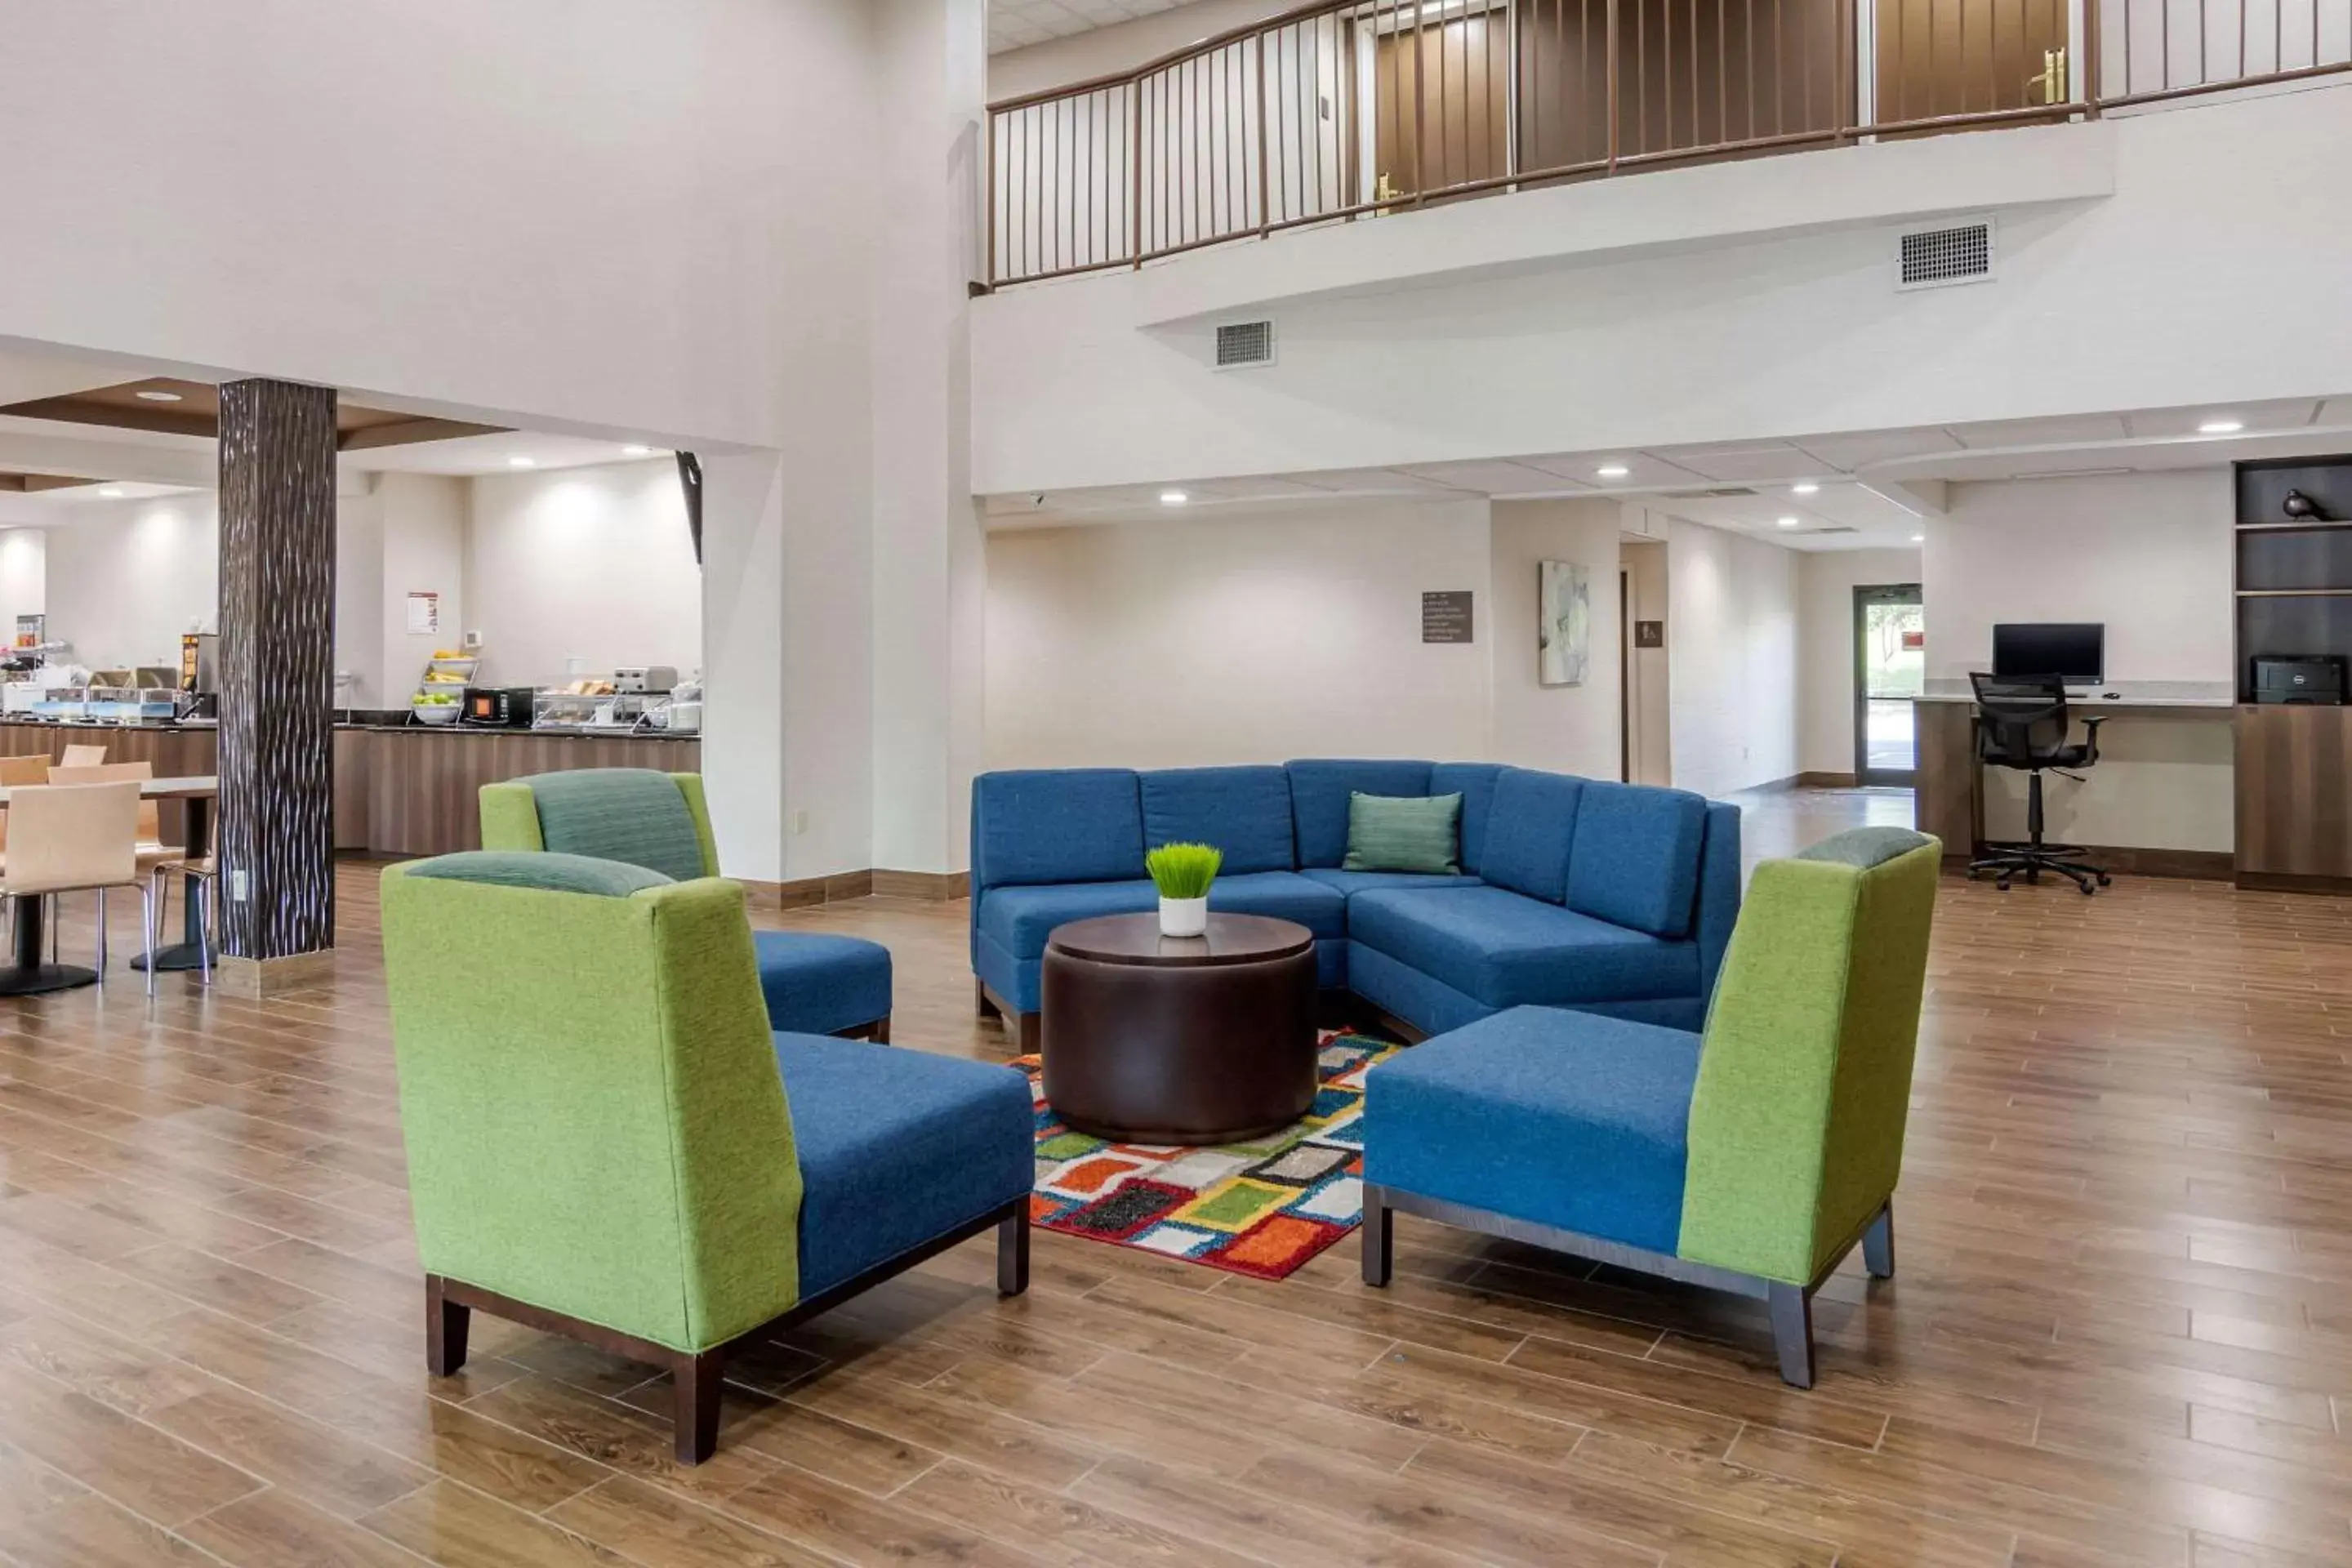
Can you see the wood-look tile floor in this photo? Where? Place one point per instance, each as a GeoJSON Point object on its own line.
{"type": "Point", "coordinates": [2121, 1334]}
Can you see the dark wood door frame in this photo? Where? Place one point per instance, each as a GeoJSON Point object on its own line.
{"type": "Point", "coordinates": [1864, 596]}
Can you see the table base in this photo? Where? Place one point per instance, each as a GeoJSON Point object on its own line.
{"type": "Point", "coordinates": [42, 979]}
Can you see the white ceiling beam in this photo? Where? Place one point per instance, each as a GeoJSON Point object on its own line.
{"type": "Point", "coordinates": [1920, 498]}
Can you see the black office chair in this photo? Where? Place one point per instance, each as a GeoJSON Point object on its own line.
{"type": "Point", "coordinates": [2023, 723]}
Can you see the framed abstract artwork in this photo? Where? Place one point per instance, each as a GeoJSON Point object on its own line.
{"type": "Point", "coordinates": [1563, 625]}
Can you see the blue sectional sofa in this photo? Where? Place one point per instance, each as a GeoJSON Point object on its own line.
{"type": "Point", "coordinates": [1605, 897]}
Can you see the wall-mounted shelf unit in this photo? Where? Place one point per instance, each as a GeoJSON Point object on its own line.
{"type": "Point", "coordinates": [2294, 595]}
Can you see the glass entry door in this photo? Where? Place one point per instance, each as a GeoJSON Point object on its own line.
{"type": "Point", "coordinates": [1890, 644]}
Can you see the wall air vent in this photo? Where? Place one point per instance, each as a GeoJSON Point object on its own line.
{"type": "Point", "coordinates": [1940, 258]}
{"type": "Point", "coordinates": [1243, 344]}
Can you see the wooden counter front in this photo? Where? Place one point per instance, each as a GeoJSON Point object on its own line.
{"type": "Point", "coordinates": [398, 792]}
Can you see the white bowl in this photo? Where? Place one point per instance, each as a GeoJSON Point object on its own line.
{"type": "Point", "coordinates": [435, 713]}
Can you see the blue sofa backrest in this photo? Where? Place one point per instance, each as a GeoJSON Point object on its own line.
{"type": "Point", "coordinates": [1318, 799]}
{"type": "Point", "coordinates": [1056, 825]}
{"type": "Point", "coordinates": [1529, 834]}
{"type": "Point", "coordinates": [1246, 812]}
{"type": "Point", "coordinates": [1635, 859]}
{"type": "Point", "coordinates": [1474, 782]}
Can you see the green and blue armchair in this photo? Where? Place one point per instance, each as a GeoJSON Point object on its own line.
{"type": "Point", "coordinates": [1752, 1157]}
{"type": "Point", "coordinates": [816, 984]}
{"type": "Point", "coordinates": [605, 1139]}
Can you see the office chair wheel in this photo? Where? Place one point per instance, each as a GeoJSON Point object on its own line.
{"type": "Point", "coordinates": [2088, 889]}
{"type": "Point", "coordinates": [2002, 886]}
{"type": "Point", "coordinates": [2105, 880]}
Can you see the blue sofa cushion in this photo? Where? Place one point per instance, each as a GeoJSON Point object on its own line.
{"type": "Point", "coordinates": [1019, 919]}
{"type": "Point", "coordinates": [817, 984]}
{"type": "Point", "coordinates": [1061, 824]}
{"type": "Point", "coordinates": [1507, 949]}
{"type": "Point", "coordinates": [1318, 800]}
{"type": "Point", "coordinates": [1528, 829]}
{"type": "Point", "coordinates": [897, 1147]}
{"type": "Point", "coordinates": [1353, 882]}
{"type": "Point", "coordinates": [1564, 1118]}
{"type": "Point", "coordinates": [1246, 812]}
{"type": "Point", "coordinates": [1636, 858]}
{"type": "Point", "coordinates": [1474, 782]}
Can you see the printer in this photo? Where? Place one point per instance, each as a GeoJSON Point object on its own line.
{"type": "Point", "coordinates": [2316, 679]}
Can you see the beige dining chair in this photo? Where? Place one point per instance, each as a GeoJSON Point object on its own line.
{"type": "Point", "coordinates": [153, 850]}
{"type": "Point", "coordinates": [82, 757]}
{"type": "Point", "coordinates": [73, 838]}
{"type": "Point", "coordinates": [15, 771]}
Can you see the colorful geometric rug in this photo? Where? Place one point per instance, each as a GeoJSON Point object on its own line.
{"type": "Point", "coordinates": [1261, 1208]}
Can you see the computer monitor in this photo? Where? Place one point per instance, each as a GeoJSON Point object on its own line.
{"type": "Point", "coordinates": [2074, 650]}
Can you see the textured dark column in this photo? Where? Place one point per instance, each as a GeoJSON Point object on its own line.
{"type": "Point", "coordinates": [277, 660]}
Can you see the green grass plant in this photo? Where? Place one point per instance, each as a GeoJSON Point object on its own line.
{"type": "Point", "coordinates": [1184, 871]}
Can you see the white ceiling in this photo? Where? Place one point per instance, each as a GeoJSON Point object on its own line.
{"type": "Point", "coordinates": [477, 455]}
{"type": "Point", "coordinates": [1013, 24]}
{"type": "Point", "coordinates": [1871, 488]}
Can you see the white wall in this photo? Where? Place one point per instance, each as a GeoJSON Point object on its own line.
{"type": "Point", "coordinates": [1826, 581]}
{"type": "Point", "coordinates": [24, 577]}
{"type": "Point", "coordinates": [2149, 555]}
{"type": "Point", "coordinates": [1650, 704]}
{"type": "Point", "coordinates": [1099, 51]}
{"type": "Point", "coordinates": [1731, 625]}
{"type": "Point", "coordinates": [577, 571]}
{"type": "Point", "coordinates": [2224, 224]}
{"type": "Point", "coordinates": [1237, 638]}
{"type": "Point", "coordinates": [423, 553]}
{"type": "Point", "coordinates": [1566, 729]}
{"type": "Point", "coordinates": [127, 578]}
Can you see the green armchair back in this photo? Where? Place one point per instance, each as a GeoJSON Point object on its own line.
{"type": "Point", "coordinates": [1804, 1084]}
{"type": "Point", "coordinates": [656, 820]}
{"type": "Point", "coordinates": [639, 1175]}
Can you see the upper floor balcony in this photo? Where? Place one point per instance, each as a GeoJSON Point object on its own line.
{"type": "Point", "coordinates": [1349, 109]}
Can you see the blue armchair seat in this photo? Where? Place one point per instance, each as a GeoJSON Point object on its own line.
{"type": "Point", "coordinates": [897, 1147]}
{"type": "Point", "coordinates": [817, 984]}
{"type": "Point", "coordinates": [1506, 950]}
{"type": "Point", "coordinates": [1606, 1101]}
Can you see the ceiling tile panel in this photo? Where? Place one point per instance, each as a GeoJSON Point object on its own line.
{"type": "Point", "coordinates": [2084, 431]}
{"type": "Point", "coordinates": [1762, 462]}
{"type": "Point", "coordinates": [2160, 424]}
{"type": "Point", "coordinates": [1844, 453]}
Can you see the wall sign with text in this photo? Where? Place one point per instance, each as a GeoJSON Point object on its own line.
{"type": "Point", "coordinates": [1446, 615]}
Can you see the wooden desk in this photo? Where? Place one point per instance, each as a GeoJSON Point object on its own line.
{"type": "Point", "coordinates": [1948, 794]}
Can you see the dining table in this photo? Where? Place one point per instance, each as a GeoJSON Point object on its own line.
{"type": "Point", "coordinates": [27, 976]}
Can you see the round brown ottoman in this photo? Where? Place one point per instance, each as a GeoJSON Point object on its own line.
{"type": "Point", "coordinates": [1153, 1039]}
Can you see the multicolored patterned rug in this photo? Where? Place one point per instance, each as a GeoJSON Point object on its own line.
{"type": "Point", "coordinates": [1261, 1208]}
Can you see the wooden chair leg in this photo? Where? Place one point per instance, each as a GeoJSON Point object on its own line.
{"type": "Point", "coordinates": [1878, 1243]}
{"type": "Point", "coordinates": [696, 1377]}
{"type": "Point", "coordinates": [1012, 1254]}
{"type": "Point", "coordinates": [446, 1323]}
{"type": "Point", "coordinates": [1792, 1333]}
{"type": "Point", "coordinates": [880, 1033]}
{"type": "Point", "coordinates": [1380, 1240]}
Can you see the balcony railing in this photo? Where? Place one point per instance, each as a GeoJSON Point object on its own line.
{"type": "Point", "coordinates": [1348, 109]}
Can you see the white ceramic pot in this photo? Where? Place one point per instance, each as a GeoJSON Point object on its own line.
{"type": "Point", "coordinates": [1183, 917]}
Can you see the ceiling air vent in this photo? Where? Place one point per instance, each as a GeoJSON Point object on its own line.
{"type": "Point", "coordinates": [1241, 344]}
{"type": "Point", "coordinates": [1938, 257]}
{"type": "Point", "coordinates": [1717, 493]}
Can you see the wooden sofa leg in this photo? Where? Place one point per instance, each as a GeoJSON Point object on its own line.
{"type": "Point", "coordinates": [1380, 1239]}
{"type": "Point", "coordinates": [1878, 1243]}
{"type": "Point", "coordinates": [696, 1394]}
{"type": "Point", "coordinates": [1012, 1254]}
{"type": "Point", "coordinates": [986, 1008]}
{"type": "Point", "coordinates": [879, 1033]}
{"type": "Point", "coordinates": [1792, 1333]}
{"type": "Point", "coordinates": [446, 1323]}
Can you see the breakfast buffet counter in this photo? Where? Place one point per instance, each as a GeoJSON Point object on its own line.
{"type": "Point", "coordinates": [400, 789]}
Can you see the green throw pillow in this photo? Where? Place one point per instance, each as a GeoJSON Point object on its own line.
{"type": "Point", "coordinates": [1404, 832]}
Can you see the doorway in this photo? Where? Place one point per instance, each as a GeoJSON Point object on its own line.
{"type": "Point", "coordinates": [1969, 57]}
{"type": "Point", "coordinates": [1441, 98]}
{"type": "Point", "coordinates": [1890, 665]}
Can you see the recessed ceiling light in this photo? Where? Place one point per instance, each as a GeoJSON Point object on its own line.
{"type": "Point", "coordinates": [157, 395]}
{"type": "Point", "coordinates": [1614, 470]}
{"type": "Point", "coordinates": [1918, 538]}
{"type": "Point", "coordinates": [522, 462]}
{"type": "Point", "coordinates": [2221, 427]}
{"type": "Point", "coordinates": [636, 451]}
{"type": "Point", "coordinates": [1786, 522]}
{"type": "Point", "coordinates": [1174, 497]}
{"type": "Point", "coordinates": [111, 493]}
{"type": "Point", "coordinates": [1806, 487]}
